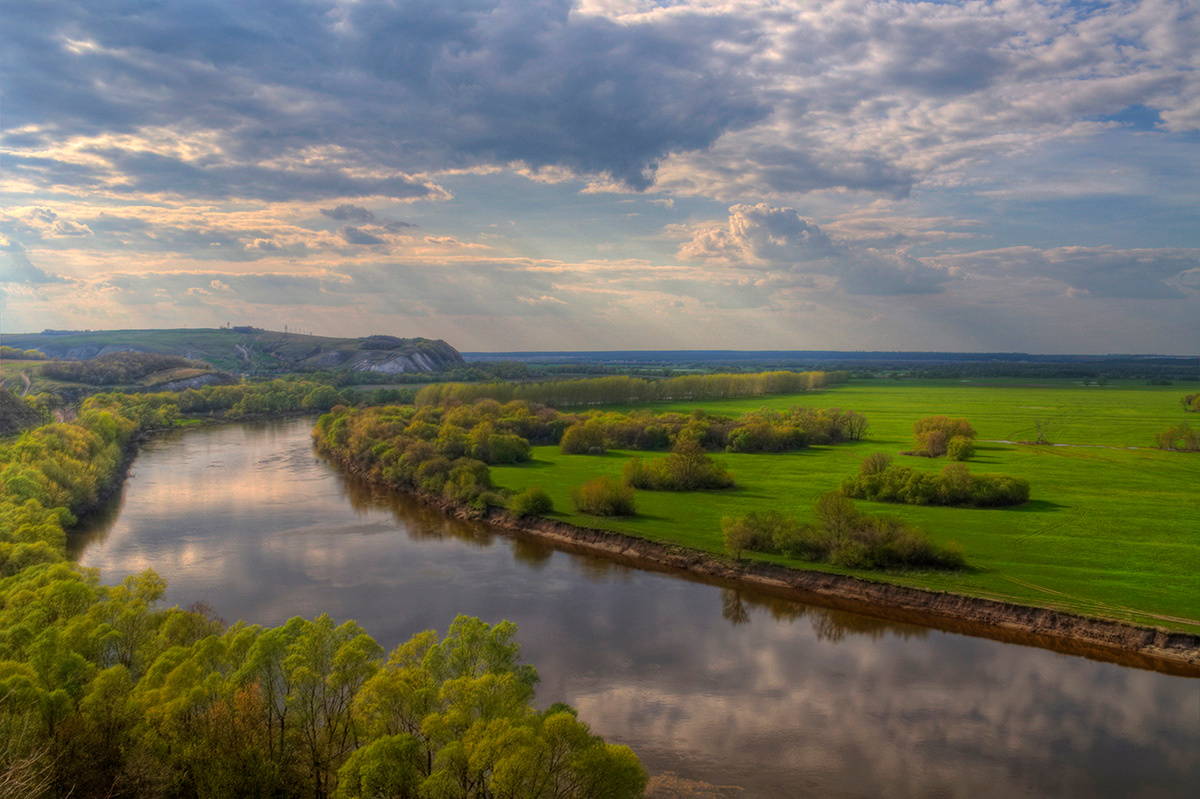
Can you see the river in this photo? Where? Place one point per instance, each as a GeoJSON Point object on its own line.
{"type": "Point", "coordinates": [764, 697]}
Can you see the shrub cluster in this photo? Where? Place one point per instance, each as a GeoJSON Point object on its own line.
{"type": "Point", "coordinates": [604, 496]}
{"type": "Point", "coordinates": [954, 485]}
{"type": "Point", "coordinates": [687, 468]}
{"type": "Point", "coordinates": [620, 390]}
{"type": "Point", "coordinates": [932, 437]}
{"type": "Point", "coordinates": [1179, 438]}
{"type": "Point", "coordinates": [533, 501]}
{"type": "Point", "coordinates": [841, 535]}
{"type": "Point", "coordinates": [758, 431]}
{"type": "Point", "coordinates": [14, 354]}
{"type": "Point", "coordinates": [1191, 402]}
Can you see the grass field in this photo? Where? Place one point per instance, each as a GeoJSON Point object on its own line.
{"type": "Point", "coordinates": [1110, 531]}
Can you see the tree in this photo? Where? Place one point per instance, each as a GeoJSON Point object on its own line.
{"type": "Point", "coordinates": [738, 535]}
{"type": "Point", "coordinates": [855, 425]}
{"type": "Point", "coordinates": [932, 434]}
{"type": "Point", "coordinates": [960, 448]}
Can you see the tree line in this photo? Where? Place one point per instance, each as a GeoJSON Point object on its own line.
{"type": "Point", "coordinates": [15, 354]}
{"type": "Point", "coordinates": [621, 390]}
{"type": "Point", "coordinates": [105, 693]}
{"type": "Point", "coordinates": [443, 451]}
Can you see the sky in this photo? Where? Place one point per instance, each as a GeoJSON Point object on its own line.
{"type": "Point", "coordinates": [608, 174]}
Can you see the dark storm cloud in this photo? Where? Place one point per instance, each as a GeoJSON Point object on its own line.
{"type": "Point", "coordinates": [406, 87]}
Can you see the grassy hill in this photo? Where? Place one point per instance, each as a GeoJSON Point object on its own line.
{"type": "Point", "coordinates": [251, 350]}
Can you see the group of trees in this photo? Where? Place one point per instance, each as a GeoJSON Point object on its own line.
{"type": "Point", "coordinates": [841, 535]}
{"type": "Point", "coordinates": [879, 481]}
{"type": "Point", "coordinates": [237, 401]}
{"type": "Point", "coordinates": [1191, 402]}
{"type": "Point", "coordinates": [443, 451]}
{"type": "Point", "coordinates": [687, 468]}
{"type": "Point", "coordinates": [117, 368]}
{"type": "Point", "coordinates": [1179, 438]}
{"type": "Point", "coordinates": [14, 354]}
{"type": "Point", "coordinates": [621, 390]}
{"type": "Point", "coordinates": [439, 452]}
{"type": "Point", "coordinates": [935, 436]}
{"type": "Point", "coordinates": [105, 693]}
{"type": "Point", "coordinates": [763, 430]}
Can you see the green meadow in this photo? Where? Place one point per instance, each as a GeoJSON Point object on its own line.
{"type": "Point", "coordinates": [1112, 528]}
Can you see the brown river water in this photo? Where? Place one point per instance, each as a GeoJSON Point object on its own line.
{"type": "Point", "coordinates": [764, 697]}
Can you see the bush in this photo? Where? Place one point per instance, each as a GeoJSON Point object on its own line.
{"type": "Point", "coordinates": [960, 448]}
{"type": "Point", "coordinates": [583, 438]}
{"type": "Point", "coordinates": [533, 501]}
{"type": "Point", "coordinates": [931, 444]}
{"type": "Point", "coordinates": [765, 532]}
{"type": "Point", "coordinates": [954, 485]}
{"type": "Point", "coordinates": [1191, 402]}
{"type": "Point", "coordinates": [687, 468]}
{"type": "Point", "coordinates": [932, 435]}
{"type": "Point", "coordinates": [604, 496]}
{"type": "Point", "coordinates": [843, 536]}
{"type": "Point", "coordinates": [876, 463]}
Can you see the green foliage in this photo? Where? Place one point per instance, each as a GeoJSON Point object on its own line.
{"type": "Point", "coordinates": [768, 531]}
{"type": "Point", "coordinates": [960, 448]}
{"type": "Point", "coordinates": [238, 401]}
{"type": "Point", "coordinates": [687, 468]}
{"type": "Point", "coordinates": [117, 368]}
{"type": "Point", "coordinates": [13, 354]}
{"type": "Point", "coordinates": [954, 485]}
{"type": "Point", "coordinates": [533, 501]}
{"type": "Point", "coordinates": [105, 693]}
{"type": "Point", "coordinates": [630, 390]}
{"type": "Point", "coordinates": [932, 434]}
{"type": "Point", "coordinates": [1106, 507]}
{"type": "Point", "coordinates": [1191, 402]}
{"type": "Point", "coordinates": [604, 496]}
{"type": "Point", "coordinates": [584, 438]}
{"type": "Point", "coordinates": [843, 536]}
{"type": "Point", "coordinates": [1179, 438]}
{"type": "Point", "coordinates": [418, 448]}
{"type": "Point", "coordinates": [875, 463]}
{"type": "Point", "coordinates": [321, 398]}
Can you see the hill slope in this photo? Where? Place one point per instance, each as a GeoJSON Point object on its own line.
{"type": "Point", "coordinates": [251, 350]}
{"type": "Point", "coordinates": [15, 415]}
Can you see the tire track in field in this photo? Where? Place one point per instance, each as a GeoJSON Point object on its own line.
{"type": "Point", "coordinates": [1072, 518]}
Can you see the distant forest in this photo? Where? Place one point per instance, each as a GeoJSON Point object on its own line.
{"type": "Point", "coordinates": [1158, 369]}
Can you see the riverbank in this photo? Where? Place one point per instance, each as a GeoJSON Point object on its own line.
{"type": "Point", "coordinates": [1139, 646]}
